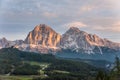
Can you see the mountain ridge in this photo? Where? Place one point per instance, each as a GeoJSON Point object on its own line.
{"type": "Point", "coordinates": [84, 42]}
{"type": "Point", "coordinates": [44, 39]}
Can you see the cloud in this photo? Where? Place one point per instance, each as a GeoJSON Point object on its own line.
{"type": "Point", "coordinates": [87, 8]}
{"type": "Point", "coordinates": [75, 24]}
{"type": "Point", "coordinates": [115, 27]}
{"type": "Point", "coordinates": [49, 15]}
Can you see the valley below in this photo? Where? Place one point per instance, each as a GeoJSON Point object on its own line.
{"type": "Point", "coordinates": [20, 65]}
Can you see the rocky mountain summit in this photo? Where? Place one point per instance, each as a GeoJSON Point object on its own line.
{"type": "Point", "coordinates": [43, 35]}
{"type": "Point", "coordinates": [81, 41]}
{"type": "Point", "coordinates": [43, 39]}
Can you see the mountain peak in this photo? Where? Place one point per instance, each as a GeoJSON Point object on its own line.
{"type": "Point", "coordinates": [42, 27]}
{"type": "Point", "coordinates": [43, 35]}
{"type": "Point", "coordinates": [74, 29]}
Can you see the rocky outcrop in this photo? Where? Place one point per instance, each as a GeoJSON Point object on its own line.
{"type": "Point", "coordinates": [42, 39]}
{"type": "Point", "coordinates": [4, 43]}
{"type": "Point", "coordinates": [43, 35]}
{"type": "Point", "coordinates": [81, 41]}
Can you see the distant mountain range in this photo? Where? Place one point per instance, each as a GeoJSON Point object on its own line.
{"type": "Point", "coordinates": [43, 39]}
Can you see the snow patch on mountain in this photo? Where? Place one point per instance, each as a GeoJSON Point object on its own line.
{"type": "Point", "coordinates": [81, 41]}
{"type": "Point", "coordinates": [43, 39]}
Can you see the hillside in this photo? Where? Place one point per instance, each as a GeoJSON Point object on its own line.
{"type": "Point", "coordinates": [15, 62]}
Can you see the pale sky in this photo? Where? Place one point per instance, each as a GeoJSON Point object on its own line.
{"type": "Point", "coordinates": [100, 17]}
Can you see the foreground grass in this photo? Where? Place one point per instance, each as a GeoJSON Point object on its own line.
{"type": "Point", "coordinates": [4, 77]}
{"type": "Point", "coordinates": [42, 65]}
{"type": "Point", "coordinates": [64, 72]}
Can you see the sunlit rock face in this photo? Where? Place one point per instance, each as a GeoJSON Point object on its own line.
{"type": "Point", "coordinates": [43, 35]}
{"type": "Point", "coordinates": [43, 39]}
